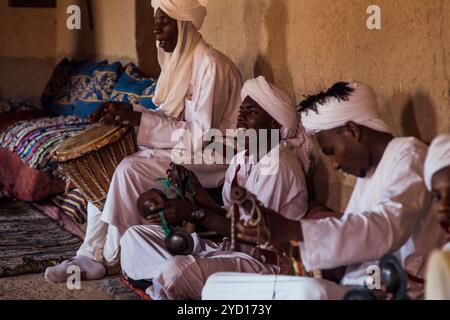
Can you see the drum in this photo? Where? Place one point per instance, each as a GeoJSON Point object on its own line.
{"type": "Point", "coordinates": [90, 158]}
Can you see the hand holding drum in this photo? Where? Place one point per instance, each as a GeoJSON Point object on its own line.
{"type": "Point", "coordinates": [116, 113]}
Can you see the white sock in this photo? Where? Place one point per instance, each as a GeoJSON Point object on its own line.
{"type": "Point", "coordinates": [92, 270]}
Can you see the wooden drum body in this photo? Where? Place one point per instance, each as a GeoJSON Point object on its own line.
{"type": "Point", "coordinates": [90, 159]}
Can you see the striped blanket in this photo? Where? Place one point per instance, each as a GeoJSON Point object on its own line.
{"type": "Point", "coordinates": [36, 140]}
{"type": "Point", "coordinates": [73, 204]}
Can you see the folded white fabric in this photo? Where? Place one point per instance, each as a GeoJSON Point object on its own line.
{"type": "Point", "coordinates": [438, 158]}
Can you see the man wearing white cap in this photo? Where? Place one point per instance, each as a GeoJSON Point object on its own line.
{"type": "Point", "coordinates": [277, 176]}
{"type": "Point", "coordinates": [387, 212]}
{"type": "Point", "coordinates": [198, 90]}
{"type": "Point", "coordinates": [437, 179]}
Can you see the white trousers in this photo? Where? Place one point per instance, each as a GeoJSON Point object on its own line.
{"type": "Point", "coordinates": [238, 286]}
{"type": "Point", "coordinates": [101, 240]}
{"type": "Point", "coordinates": [144, 256]}
{"type": "Point", "coordinates": [135, 175]}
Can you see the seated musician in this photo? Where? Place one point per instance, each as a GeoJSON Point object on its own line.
{"type": "Point", "coordinates": [387, 212]}
{"type": "Point", "coordinates": [198, 90]}
{"type": "Point", "coordinates": [275, 173]}
{"type": "Point", "coordinates": [437, 178]}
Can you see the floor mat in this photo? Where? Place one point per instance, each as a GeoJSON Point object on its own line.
{"type": "Point", "coordinates": [120, 289]}
{"type": "Point", "coordinates": [30, 241]}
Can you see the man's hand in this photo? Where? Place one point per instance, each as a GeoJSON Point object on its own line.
{"type": "Point", "coordinates": [278, 229]}
{"type": "Point", "coordinates": [175, 212]}
{"type": "Point", "coordinates": [256, 235]}
{"type": "Point", "coordinates": [183, 171]}
{"type": "Point", "coordinates": [117, 113]}
{"type": "Point", "coordinates": [202, 197]}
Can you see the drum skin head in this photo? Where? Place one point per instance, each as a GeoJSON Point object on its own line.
{"type": "Point", "coordinates": [89, 140]}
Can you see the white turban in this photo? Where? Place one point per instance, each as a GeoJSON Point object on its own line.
{"type": "Point", "coordinates": [275, 102]}
{"type": "Point", "coordinates": [361, 108]}
{"type": "Point", "coordinates": [438, 158]}
{"type": "Point", "coordinates": [183, 10]}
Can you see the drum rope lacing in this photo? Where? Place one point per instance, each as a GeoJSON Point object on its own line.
{"type": "Point", "coordinates": [75, 167]}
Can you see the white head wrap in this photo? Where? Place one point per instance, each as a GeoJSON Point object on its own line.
{"type": "Point", "coordinates": [277, 103]}
{"type": "Point", "coordinates": [183, 10]}
{"type": "Point", "coordinates": [176, 67]}
{"type": "Point", "coordinates": [361, 108]}
{"type": "Point", "coordinates": [438, 158]}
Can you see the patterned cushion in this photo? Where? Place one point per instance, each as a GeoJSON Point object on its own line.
{"type": "Point", "coordinates": [134, 87]}
{"type": "Point", "coordinates": [59, 81]}
{"type": "Point", "coordinates": [90, 85]}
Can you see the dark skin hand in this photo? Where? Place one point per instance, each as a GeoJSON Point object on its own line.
{"type": "Point", "coordinates": [177, 211]}
{"type": "Point", "coordinates": [202, 198]}
{"type": "Point", "coordinates": [279, 230]}
{"type": "Point", "coordinates": [116, 113]}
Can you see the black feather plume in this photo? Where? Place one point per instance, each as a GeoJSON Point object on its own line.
{"type": "Point", "coordinates": [340, 91]}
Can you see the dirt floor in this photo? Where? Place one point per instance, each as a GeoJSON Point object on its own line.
{"type": "Point", "coordinates": [34, 287]}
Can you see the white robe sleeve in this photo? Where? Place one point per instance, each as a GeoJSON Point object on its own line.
{"type": "Point", "coordinates": [366, 236]}
{"type": "Point", "coordinates": [284, 192]}
{"type": "Point", "coordinates": [156, 130]}
{"type": "Point", "coordinates": [291, 205]}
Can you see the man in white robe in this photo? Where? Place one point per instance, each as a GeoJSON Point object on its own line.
{"type": "Point", "coordinates": [388, 211]}
{"type": "Point", "coordinates": [198, 90]}
{"type": "Point", "coordinates": [278, 178]}
{"type": "Point", "coordinates": [437, 178]}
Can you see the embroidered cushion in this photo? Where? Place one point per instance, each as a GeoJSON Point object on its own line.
{"type": "Point", "coordinates": [59, 81]}
{"type": "Point", "coordinates": [90, 85]}
{"type": "Point", "coordinates": [135, 87]}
